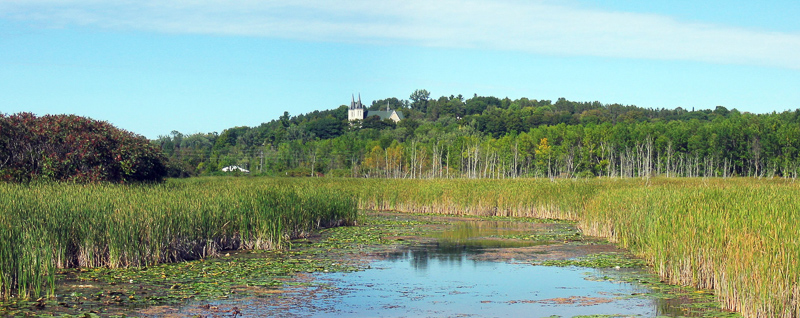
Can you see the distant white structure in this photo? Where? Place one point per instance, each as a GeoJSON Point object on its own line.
{"type": "Point", "coordinates": [358, 112]}
{"type": "Point", "coordinates": [235, 168]}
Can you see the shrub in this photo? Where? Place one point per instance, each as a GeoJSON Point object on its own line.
{"type": "Point", "coordinates": [74, 148]}
{"type": "Point", "coordinates": [298, 172]}
{"type": "Point", "coordinates": [340, 173]}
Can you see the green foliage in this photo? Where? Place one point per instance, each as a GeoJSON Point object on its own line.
{"type": "Point", "coordinates": [601, 260]}
{"type": "Point", "coordinates": [339, 173]}
{"type": "Point", "coordinates": [420, 100]}
{"type": "Point", "coordinates": [326, 128]}
{"type": "Point", "coordinates": [298, 172]}
{"type": "Point", "coordinates": [392, 103]}
{"type": "Point", "coordinates": [73, 148]}
{"type": "Point", "coordinates": [489, 137]}
{"type": "Point", "coordinates": [375, 122]}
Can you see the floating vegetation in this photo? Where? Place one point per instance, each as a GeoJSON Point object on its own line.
{"type": "Point", "coordinates": [47, 227]}
{"type": "Point", "coordinates": [737, 236]}
{"type": "Point", "coordinates": [599, 260]}
{"type": "Point", "coordinates": [275, 275]}
{"type": "Point", "coordinates": [243, 273]}
{"type": "Point", "coordinates": [677, 301]}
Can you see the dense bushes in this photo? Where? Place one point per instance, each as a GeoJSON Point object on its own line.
{"type": "Point", "coordinates": [73, 148]}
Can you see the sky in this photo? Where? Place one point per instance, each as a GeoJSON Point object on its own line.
{"type": "Point", "coordinates": [155, 66]}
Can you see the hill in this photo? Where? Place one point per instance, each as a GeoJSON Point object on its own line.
{"type": "Point", "coordinates": [490, 137]}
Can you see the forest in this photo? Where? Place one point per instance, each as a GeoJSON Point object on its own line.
{"type": "Point", "coordinates": [490, 137]}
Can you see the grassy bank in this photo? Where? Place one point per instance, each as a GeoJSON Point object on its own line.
{"type": "Point", "coordinates": [44, 227]}
{"type": "Point", "coordinates": [736, 236]}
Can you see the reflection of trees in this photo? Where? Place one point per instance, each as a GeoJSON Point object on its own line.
{"type": "Point", "coordinates": [419, 256]}
{"type": "Point", "coordinates": [465, 230]}
{"type": "Point", "coordinates": [473, 235]}
{"type": "Point", "coordinates": [461, 240]}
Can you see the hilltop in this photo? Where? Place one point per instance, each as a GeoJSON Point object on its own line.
{"type": "Point", "coordinates": [486, 136]}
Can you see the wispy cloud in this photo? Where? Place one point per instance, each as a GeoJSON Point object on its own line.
{"type": "Point", "coordinates": [542, 27]}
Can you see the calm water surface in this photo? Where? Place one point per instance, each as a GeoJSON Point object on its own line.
{"type": "Point", "coordinates": [448, 278]}
{"type": "Point", "coordinates": [431, 284]}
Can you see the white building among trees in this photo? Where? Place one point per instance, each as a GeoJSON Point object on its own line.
{"type": "Point", "coordinates": [234, 169]}
{"type": "Point", "coordinates": [357, 111]}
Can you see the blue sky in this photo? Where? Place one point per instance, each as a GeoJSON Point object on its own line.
{"type": "Point", "coordinates": [202, 66]}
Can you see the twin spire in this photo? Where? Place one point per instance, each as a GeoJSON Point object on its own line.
{"type": "Point", "coordinates": [357, 111]}
{"type": "Point", "coordinates": [356, 105]}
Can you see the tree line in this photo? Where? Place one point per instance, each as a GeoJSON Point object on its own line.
{"type": "Point", "coordinates": [490, 137]}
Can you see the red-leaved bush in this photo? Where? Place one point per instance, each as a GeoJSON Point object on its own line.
{"type": "Point", "coordinates": [74, 148]}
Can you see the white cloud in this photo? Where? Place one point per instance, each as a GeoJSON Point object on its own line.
{"type": "Point", "coordinates": [542, 27]}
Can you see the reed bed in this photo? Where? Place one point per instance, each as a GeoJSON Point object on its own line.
{"type": "Point", "coordinates": [537, 198]}
{"type": "Point", "coordinates": [44, 227]}
{"type": "Point", "coordinates": [736, 236]}
{"type": "Point", "coordinates": [740, 237]}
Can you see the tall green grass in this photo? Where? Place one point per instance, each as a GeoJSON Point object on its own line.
{"type": "Point", "coordinates": [740, 237]}
{"type": "Point", "coordinates": [736, 236]}
{"type": "Point", "coordinates": [44, 227]}
{"type": "Point", "coordinates": [540, 198]}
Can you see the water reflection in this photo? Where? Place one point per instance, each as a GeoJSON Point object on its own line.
{"type": "Point", "coordinates": [462, 231]}
{"type": "Point", "coordinates": [455, 244]}
{"type": "Point", "coordinates": [443, 278]}
{"type": "Point", "coordinates": [427, 282]}
{"type": "Point", "coordinates": [420, 256]}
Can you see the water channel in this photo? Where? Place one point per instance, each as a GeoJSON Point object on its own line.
{"type": "Point", "coordinates": [471, 269]}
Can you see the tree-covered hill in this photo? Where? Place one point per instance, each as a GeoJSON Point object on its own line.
{"type": "Point", "coordinates": [490, 137]}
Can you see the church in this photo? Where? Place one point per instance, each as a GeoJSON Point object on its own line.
{"type": "Point", "coordinates": [358, 112]}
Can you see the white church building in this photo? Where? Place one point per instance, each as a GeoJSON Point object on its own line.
{"type": "Point", "coordinates": [358, 112]}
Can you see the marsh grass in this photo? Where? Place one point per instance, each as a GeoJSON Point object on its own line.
{"type": "Point", "coordinates": [535, 198]}
{"type": "Point", "coordinates": [737, 236]}
{"type": "Point", "coordinates": [44, 227]}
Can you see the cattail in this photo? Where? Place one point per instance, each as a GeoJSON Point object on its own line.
{"type": "Point", "coordinates": [49, 226]}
